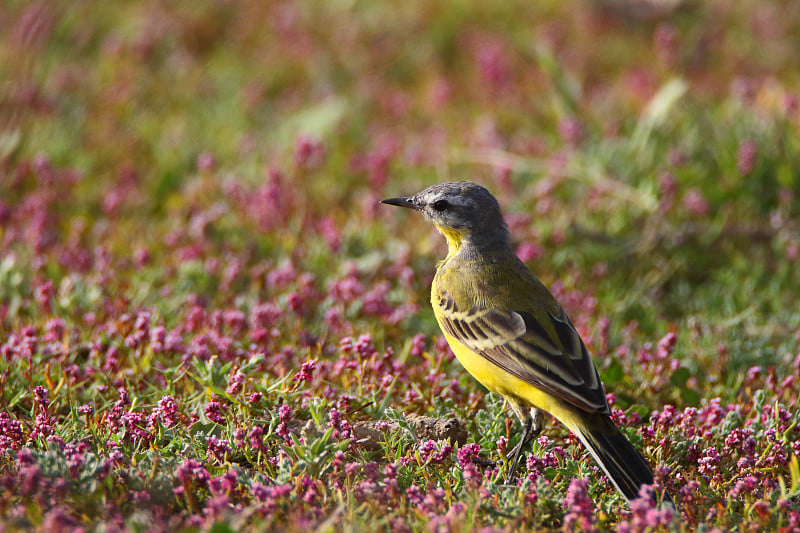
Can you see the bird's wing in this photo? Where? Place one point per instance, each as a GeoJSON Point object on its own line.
{"type": "Point", "coordinates": [545, 351]}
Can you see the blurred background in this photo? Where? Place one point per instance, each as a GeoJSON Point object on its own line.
{"type": "Point", "coordinates": [654, 142]}
{"type": "Point", "coordinates": [189, 217]}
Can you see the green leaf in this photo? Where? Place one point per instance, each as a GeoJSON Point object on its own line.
{"type": "Point", "coordinates": [680, 377]}
{"type": "Point", "coordinates": [657, 110]}
{"type": "Point", "coordinates": [690, 397]}
{"type": "Point", "coordinates": [221, 527]}
{"type": "Point", "coordinates": [794, 473]}
{"type": "Point", "coordinates": [615, 373]}
{"type": "Point", "coordinates": [317, 121]}
{"type": "Point", "coordinates": [641, 410]}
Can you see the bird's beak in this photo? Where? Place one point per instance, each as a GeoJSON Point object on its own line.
{"type": "Point", "coordinates": [402, 202]}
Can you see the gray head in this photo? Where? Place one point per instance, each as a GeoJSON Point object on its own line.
{"type": "Point", "coordinates": [464, 212]}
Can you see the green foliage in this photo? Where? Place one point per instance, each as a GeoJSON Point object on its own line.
{"type": "Point", "coordinates": [196, 274]}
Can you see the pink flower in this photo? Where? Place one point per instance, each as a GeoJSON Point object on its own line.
{"type": "Point", "coordinates": [746, 157]}
{"type": "Point", "coordinates": [666, 346]}
{"type": "Point", "coordinates": [647, 514]}
{"type": "Point", "coordinates": [664, 40]}
{"type": "Point", "coordinates": [214, 412]}
{"type": "Point", "coordinates": [256, 437]}
{"type": "Point", "coordinates": [167, 410]}
{"type": "Point", "coordinates": [309, 152]}
{"type": "Point", "coordinates": [417, 345]}
{"type": "Point", "coordinates": [218, 448]}
{"type": "Point", "coordinates": [41, 397]}
{"type": "Point", "coordinates": [580, 509]}
{"type": "Point", "coordinates": [284, 415]}
{"type": "Point", "coordinates": [190, 471]}
{"type": "Point", "coordinates": [493, 64]}
{"type": "Point", "coordinates": [306, 372]}
{"type": "Point", "coordinates": [529, 251]}
{"type": "Point", "coordinates": [571, 130]}
{"type": "Point", "coordinates": [467, 453]}
{"type": "Point", "coordinates": [502, 444]}
{"type": "Point", "coordinates": [206, 162]}
{"type": "Point", "coordinates": [695, 203]}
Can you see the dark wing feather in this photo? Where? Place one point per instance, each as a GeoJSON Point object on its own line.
{"type": "Point", "coordinates": [523, 346]}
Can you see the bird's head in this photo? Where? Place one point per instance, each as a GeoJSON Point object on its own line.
{"type": "Point", "coordinates": [462, 211]}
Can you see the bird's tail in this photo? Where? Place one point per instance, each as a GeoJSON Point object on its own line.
{"type": "Point", "coordinates": [614, 453]}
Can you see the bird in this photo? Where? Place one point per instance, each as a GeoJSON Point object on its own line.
{"type": "Point", "coordinates": [509, 332]}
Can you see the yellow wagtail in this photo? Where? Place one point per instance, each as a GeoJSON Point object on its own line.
{"type": "Point", "coordinates": [511, 334]}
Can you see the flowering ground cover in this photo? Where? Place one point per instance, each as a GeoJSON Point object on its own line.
{"type": "Point", "coordinates": [204, 309]}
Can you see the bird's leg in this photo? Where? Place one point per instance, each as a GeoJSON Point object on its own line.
{"type": "Point", "coordinates": [532, 420]}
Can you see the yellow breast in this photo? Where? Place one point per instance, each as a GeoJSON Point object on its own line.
{"type": "Point", "coordinates": [507, 385]}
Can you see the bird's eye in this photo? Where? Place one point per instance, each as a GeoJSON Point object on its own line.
{"type": "Point", "coordinates": [441, 205]}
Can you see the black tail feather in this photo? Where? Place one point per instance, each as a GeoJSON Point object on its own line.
{"type": "Point", "coordinates": [614, 453]}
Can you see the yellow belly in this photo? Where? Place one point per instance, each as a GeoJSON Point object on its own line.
{"type": "Point", "coordinates": [507, 385]}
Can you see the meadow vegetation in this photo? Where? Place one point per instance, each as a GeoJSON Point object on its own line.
{"type": "Point", "coordinates": [201, 299]}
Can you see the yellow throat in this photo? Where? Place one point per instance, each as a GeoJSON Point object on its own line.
{"type": "Point", "coordinates": [454, 239]}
